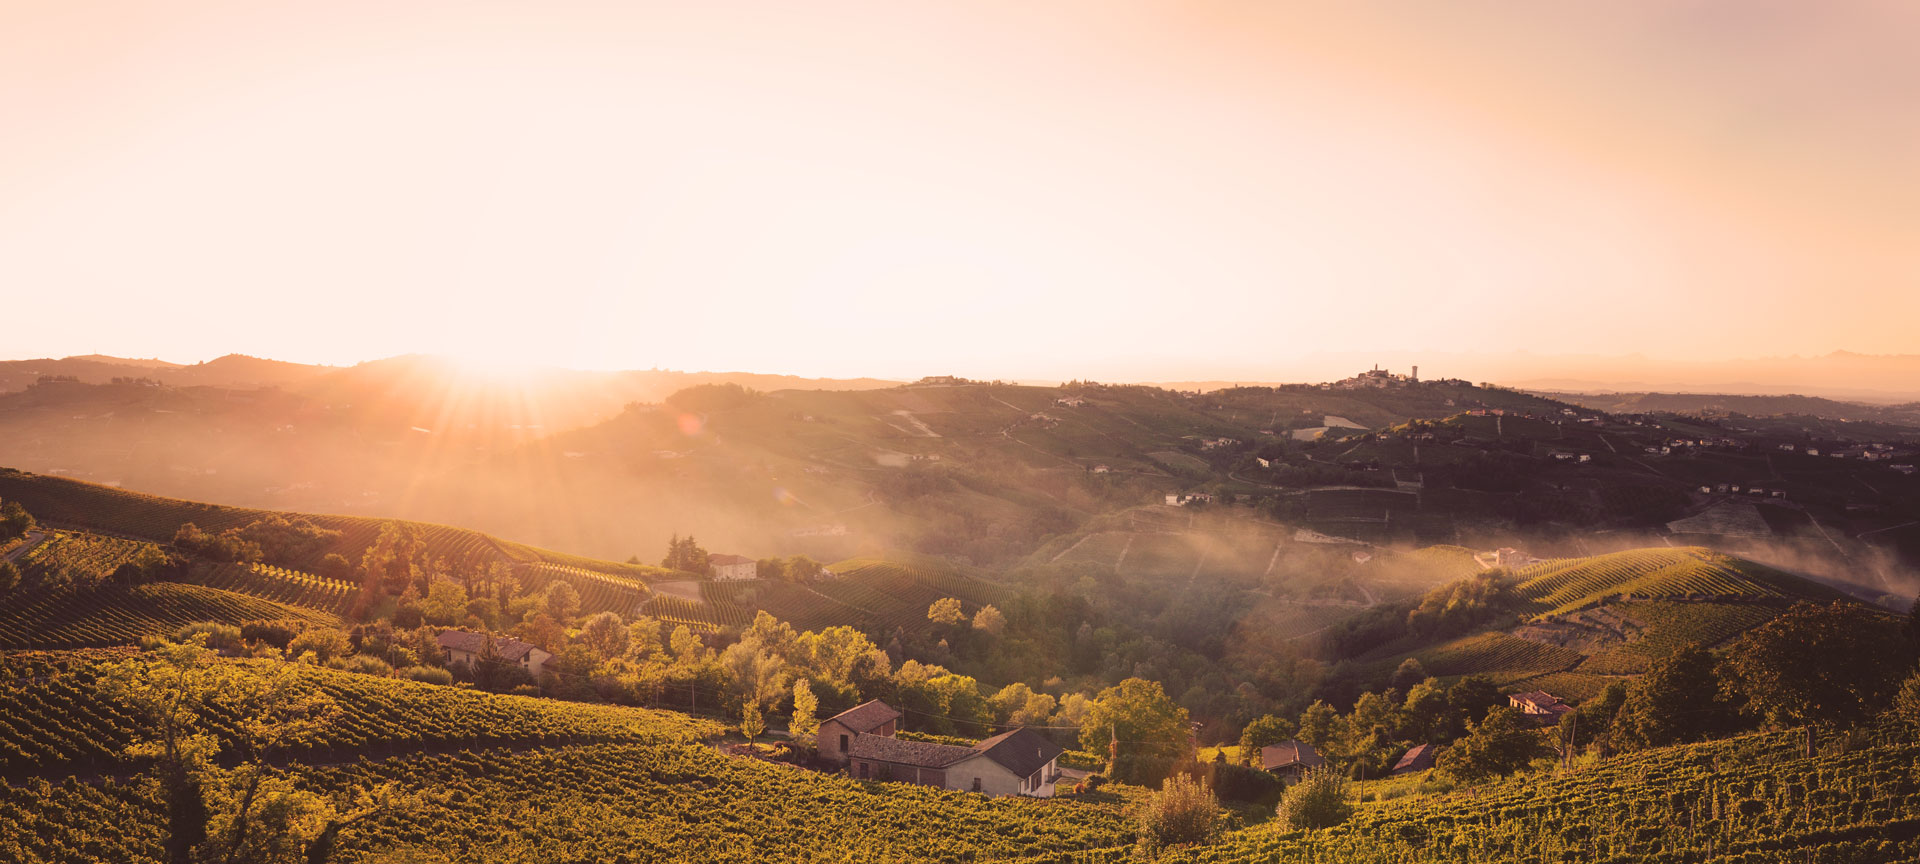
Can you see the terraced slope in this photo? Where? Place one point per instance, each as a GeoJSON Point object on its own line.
{"type": "Point", "coordinates": [110, 616]}
{"type": "Point", "coordinates": [1751, 799]}
{"type": "Point", "coordinates": [105, 509]}
{"type": "Point", "coordinates": [515, 779]}
{"type": "Point", "coordinates": [1588, 622]}
{"type": "Point", "coordinates": [1567, 585]}
{"type": "Point", "coordinates": [52, 717]}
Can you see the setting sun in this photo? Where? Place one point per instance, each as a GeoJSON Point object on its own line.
{"type": "Point", "coordinates": [1075, 432]}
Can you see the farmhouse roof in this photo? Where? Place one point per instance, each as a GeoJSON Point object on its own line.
{"type": "Point", "coordinates": [1420, 758]}
{"type": "Point", "coordinates": [728, 560]}
{"type": "Point", "coordinates": [475, 643]}
{"type": "Point", "coordinates": [1021, 751]}
{"type": "Point", "coordinates": [1541, 701]}
{"type": "Point", "coordinates": [921, 754]}
{"type": "Point", "coordinates": [1289, 753]}
{"type": "Point", "coordinates": [865, 717]}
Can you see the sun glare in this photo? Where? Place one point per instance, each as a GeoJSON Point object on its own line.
{"type": "Point", "coordinates": [489, 365]}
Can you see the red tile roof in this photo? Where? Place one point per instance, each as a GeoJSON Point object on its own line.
{"type": "Point", "coordinates": [865, 717]}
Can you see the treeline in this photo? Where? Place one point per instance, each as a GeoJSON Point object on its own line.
{"type": "Point", "coordinates": [1454, 609]}
{"type": "Point", "coordinates": [276, 539]}
{"type": "Point", "coordinates": [1830, 669]}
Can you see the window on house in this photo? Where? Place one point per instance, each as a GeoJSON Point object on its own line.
{"type": "Point", "coordinates": [863, 771]}
{"type": "Point", "coordinates": [976, 784]}
{"type": "Point", "coordinates": [843, 743]}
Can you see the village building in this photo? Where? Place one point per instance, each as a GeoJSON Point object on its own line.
{"type": "Point", "coordinates": [732, 568]}
{"type": "Point", "coordinates": [1420, 758]}
{"type": "Point", "coordinates": [1539, 706]}
{"type": "Point", "coordinates": [467, 647]}
{"type": "Point", "coordinates": [836, 733]}
{"type": "Point", "coordinates": [1017, 762]}
{"type": "Point", "coordinates": [1291, 759]}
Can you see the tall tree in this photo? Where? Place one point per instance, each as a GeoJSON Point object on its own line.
{"type": "Point", "coordinates": [946, 611]}
{"type": "Point", "coordinates": [1679, 699]}
{"type": "Point", "coordinates": [1499, 744]}
{"type": "Point", "coordinates": [1149, 731]}
{"type": "Point", "coordinates": [172, 691]}
{"type": "Point", "coordinates": [1829, 666]}
{"type": "Point", "coordinates": [805, 724]}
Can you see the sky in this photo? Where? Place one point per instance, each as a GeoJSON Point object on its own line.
{"type": "Point", "coordinates": [1108, 190]}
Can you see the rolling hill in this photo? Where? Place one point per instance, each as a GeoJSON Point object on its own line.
{"type": "Point", "coordinates": [107, 510]}
{"type": "Point", "coordinates": [1585, 622]}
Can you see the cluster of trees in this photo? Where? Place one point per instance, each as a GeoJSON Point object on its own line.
{"type": "Point", "coordinates": [1828, 667]}
{"type": "Point", "coordinates": [247, 812]}
{"type": "Point", "coordinates": [15, 521]}
{"type": "Point", "coordinates": [685, 555]}
{"type": "Point", "coordinates": [1453, 609]}
{"type": "Point", "coordinates": [1366, 741]}
{"type": "Point", "coordinates": [276, 539]}
{"type": "Point", "coordinates": [796, 568]}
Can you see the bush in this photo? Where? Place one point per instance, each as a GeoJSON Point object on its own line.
{"type": "Point", "coordinates": [1183, 811]}
{"type": "Point", "coordinates": [277, 633]}
{"type": "Point", "coordinates": [326, 643]}
{"type": "Point", "coordinates": [1318, 801]}
{"type": "Point", "coordinates": [526, 690]}
{"type": "Point", "coordinates": [366, 665]}
{"type": "Point", "coordinates": [1243, 783]}
{"type": "Point", "coordinates": [218, 635]}
{"type": "Point", "coordinates": [1906, 703]}
{"type": "Point", "coordinates": [426, 675]}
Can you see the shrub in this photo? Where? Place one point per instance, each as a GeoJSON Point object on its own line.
{"type": "Point", "coordinates": [276, 633]}
{"type": "Point", "coordinates": [1318, 801]}
{"type": "Point", "coordinates": [326, 643]}
{"type": "Point", "coordinates": [426, 675]}
{"type": "Point", "coordinates": [1183, 811]}
{"type": "Point", "coordinates": [1906, 702]}
{"type": "Point", "coordinates": [526, 690]}
{"type": "Point", "coordinates": [1243, 783]}
{"type": "Point", "coordinates": [218, 635]}
{"type": "Point", "coordinates": [366, 665]}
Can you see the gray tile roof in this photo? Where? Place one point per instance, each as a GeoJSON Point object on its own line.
{"type": "Point", "coordinates": [475, 643]}
{"type": "Point", "coordinates": [1021, 751]}
{"type": "Point", "coordinates": [922, 754]}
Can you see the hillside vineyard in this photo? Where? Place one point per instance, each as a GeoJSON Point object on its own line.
{"type": "Point", "coordinates": [1383, 619]}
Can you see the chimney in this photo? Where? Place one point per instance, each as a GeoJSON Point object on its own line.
{"type": "Point", "coordinates": [1416, 373]}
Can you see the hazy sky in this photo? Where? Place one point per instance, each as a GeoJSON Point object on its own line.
{"type": "Point", "coordinates": [1023, 189]}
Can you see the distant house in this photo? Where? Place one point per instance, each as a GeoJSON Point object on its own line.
{"type": "Point", "coordinates": [1539, 706]}
{"type": "Point", "coordinates": [1179, 500]}
{"type": "Point", "coordinates": [1420, 758]}
{"type": "Point", "coordinates": [731, 568]}
{"type": "Point", "coordinates": [868, 718]}
{"type": "Point", "coordinates": [1514, 559]}
{"type": "Point", "coordinates": [463, 646]}
{"type": "Point", "coordinates": [1017, 762]}
{"type": "Point", "coordinates": [1291, 759]}
{"type": "Point", "coordinates": [1904, 469]}
{"type": "Point", "coordinates": [1070, 401]}
{"type": "Point", "coordinates": [1102, 469]}
{"type": "Point", "coordinates": [1362, 557]}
